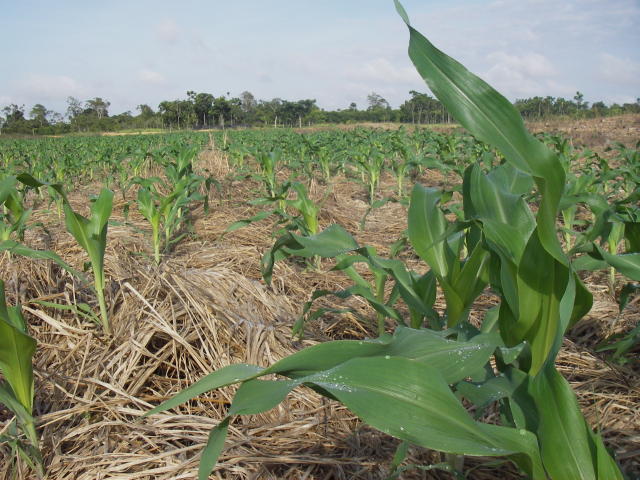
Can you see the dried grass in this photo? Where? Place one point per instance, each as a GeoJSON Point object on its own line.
{"type": "Point", "coordinates": [205, 307]}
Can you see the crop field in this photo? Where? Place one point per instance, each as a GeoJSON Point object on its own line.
{"type": "Point", "coordinates": [357, 303]}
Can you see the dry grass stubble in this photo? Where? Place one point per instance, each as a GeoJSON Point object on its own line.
{"type": "Point", "coordinates": [205, 307]}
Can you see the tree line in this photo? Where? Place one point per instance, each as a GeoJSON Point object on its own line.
{"type": "Point", "coordinates": [200, 110]}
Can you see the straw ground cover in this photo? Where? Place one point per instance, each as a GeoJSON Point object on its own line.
{"type": "Point", "coordinates": [205, 307]}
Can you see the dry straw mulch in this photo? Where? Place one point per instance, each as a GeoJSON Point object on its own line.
{"type": "Point", "coordinates": [205, 307]}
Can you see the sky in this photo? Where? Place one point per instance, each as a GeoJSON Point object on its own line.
{"type": "Point", "coordinates": [335, 51]}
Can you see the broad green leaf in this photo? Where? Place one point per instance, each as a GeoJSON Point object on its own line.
{"type": "Point", "coordinates": [331, 242]}
{"type": "Point", "coordinates": [542, 283]}
{"type": "Point", "coordinates": [565, 438]}
{"type": "Point", "coordinates": [425, 411]}
{"type": "Point", "coordinates": [257, 396]}
{"type": "Point", "coordinates": [511, 179]}
{"type": "Point", "coordinates": [493, 119]}
{"type": "Point", "coordinates": [16, 351]}
{"type": "Point", "coordinates": [627, 264]}
{"type": "Point", "coordinates": [507, 220]}
{"type": "Point", "coordinates": [427, 228]}
{"type": "Point", "coordinates": [455, 360]}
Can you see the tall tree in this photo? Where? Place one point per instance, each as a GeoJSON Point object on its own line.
{"type": "Point", "coordinates": [74, 107]}
{"type": "Point", "coordinates": [98, 106]}
{"type": "Point", "coordinates": [376, 101]}
{"type": "Point", "coordinates": [40, 114]}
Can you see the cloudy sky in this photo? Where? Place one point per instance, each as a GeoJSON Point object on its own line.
{"type": "Point", "coordinates": [336, 51]}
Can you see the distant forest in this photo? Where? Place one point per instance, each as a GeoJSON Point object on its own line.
{"type": "Point", "coordinates": [204, 110]}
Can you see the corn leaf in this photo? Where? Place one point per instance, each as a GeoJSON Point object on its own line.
{"type": "Point", "coordinates": [493, 119]}
{"type": "Point", "coordinates": [427, 230]}
{"type": "Point", "coordinates": [426, 412]}
{"type": "Point", "coordinates": [565, 438]}
{"type": "Point", "coordinates": [16, 350]}
{"type": "Point", "coordinates": [19, 249]}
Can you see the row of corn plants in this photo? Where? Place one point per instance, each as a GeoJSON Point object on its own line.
{"type": "Point", "coordinates": [430, 363]}
{"type": "Point", "coordinates": [496, 241]}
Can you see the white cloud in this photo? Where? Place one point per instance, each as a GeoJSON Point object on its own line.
{"type": "Point", "coordinates": [620, 71]}
{"type": "Point", "coordinates": [151, 77]}
{"type": "Point", "coordinates": [530, 64]}
{"type": "Point", "coordinates": [381, 70]}
{"type": "Point", "coordinates": [526, 75]}
{"type": "Point", "coordinates": [43, 87]}
{"type": "Point", "coordinates": [168, 31]}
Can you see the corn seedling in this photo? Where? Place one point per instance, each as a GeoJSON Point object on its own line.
{"type": "Point", "coordinates": [13, 215]}
{"type": "Point", "coordinates": [91, 235]}
{"type": "Point", "coordinates": [165, 204]}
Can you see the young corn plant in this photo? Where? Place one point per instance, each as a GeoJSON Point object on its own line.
{"type": "Point", "coordinates": [268, 163]}
{"type": "Point", "coordinates": [165, 213]}
{"type": "Point", "coordinates": [91, 235]}
{"type": "Point", "coordinates": [424, 374]}
{"type": "Point", "coordinates": [13, 214]}
{"type": "Point", "coordinates": [370, 161]}
{"type": "Point", "coordinates": [305, 221]}
{"type": "Point", "coordinates": [16, 390]}
{"type": "Point", "coordinates": [165, 204]}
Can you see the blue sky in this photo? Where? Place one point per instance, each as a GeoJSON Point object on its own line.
{"type": "Point", "coordinates": [146, 51]}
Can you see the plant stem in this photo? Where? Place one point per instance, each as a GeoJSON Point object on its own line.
{"type": "Point", "coordinates": [99, 282]}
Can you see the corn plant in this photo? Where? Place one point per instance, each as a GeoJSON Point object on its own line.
{"type": "Point", "coordinates": [165, 203]}
{"type": "Point", "coordinates": [423, 374]}
{"type": "Point", "coordinates": [370, 162]}
{"type": "Point", "coordinates": [91, 235]}
{"type": "Point", "coordinates": [16, 391]}
{"type": "Point", "coordinates": [304, 221]}
{"type": "Point", "coordinates": [406, 159]}
{"type": "Point", "coordinates": [164, 213]}
{"type": "Point", "coordinates": [13, 214]}
{"type": "Point", "coordinates": [268, 163]}
{"type": "Point", "coordinates": [623, 343]}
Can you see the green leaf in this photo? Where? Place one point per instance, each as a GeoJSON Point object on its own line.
{"type": "Point", "coordinates": [331, 242]}
{"type": "Point", "coordinates": [212, 450]}
{"type": "Point", "coordinates": [427, 229]}
{"type": "Point", "coordinates": [564, 436]}
{"type": "Point", "coordinates": [225, 376]}
{"type": "Point", "coordinates": [493, 119]}
{"type": "Point", "coordinates": [542, 283]}
{"type": "Point", "coordinates": [627, 264]}
{"type": "Point", "coordinates": [462, 290]}
{"type": "Point", "coordinates": [8, 399]}
{"type": "Point", "coordinates": [507, 220]}
{"type": "Point", "coordinates": [248, 221]}
{"type": "Point", "coordinates": [453, 359]}
{"type": "Point", "coordinates": [16, 351]}
{"type": "Point", "coordinates": [425, 411]}
{"type": "Point", "coordinates": [19, 249]}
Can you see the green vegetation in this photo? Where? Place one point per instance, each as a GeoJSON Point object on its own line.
{"type": "Point", "coordinates": [516, 217]}
{"type": "Point", "coordinates": [499, 241]}
{"type": "Point", "coordinates": [16, 391]}
{"type": "Point", "coordinates": [204, 110]}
